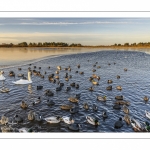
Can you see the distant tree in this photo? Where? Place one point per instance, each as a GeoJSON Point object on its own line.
{"type": "Point", "coordinates": [119, 44]}
{"type": "Point", "coordinates": [115, 44]}
{"type": "Point", "coordinates": [126, 44]}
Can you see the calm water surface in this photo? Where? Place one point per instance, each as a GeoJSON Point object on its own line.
{"type": "Point", "coordinates": [135, 83]}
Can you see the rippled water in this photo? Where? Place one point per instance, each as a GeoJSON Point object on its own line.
{"type": "Point", "coordinates": [135, 83]}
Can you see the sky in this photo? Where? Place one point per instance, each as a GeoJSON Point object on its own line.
{"type": "Point", "coordinates": [87, 31]}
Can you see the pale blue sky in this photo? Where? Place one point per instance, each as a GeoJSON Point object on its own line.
{"type": "Point", "coordinates": [87, 31]}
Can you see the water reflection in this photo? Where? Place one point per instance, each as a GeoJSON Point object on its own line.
{"type": "Point", "coordinates": [30, 88]}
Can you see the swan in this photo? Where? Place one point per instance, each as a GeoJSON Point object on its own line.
{"type": "Point", "coordinates": [1, 76]}
{"type": "Point", "coordinates": [22, 81]}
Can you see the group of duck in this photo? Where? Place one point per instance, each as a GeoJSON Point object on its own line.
{"type": "Point", "coordinates": [94, 79]}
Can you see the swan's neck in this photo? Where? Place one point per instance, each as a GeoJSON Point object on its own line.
{"type": "Point", "coordinates": [29, 76]}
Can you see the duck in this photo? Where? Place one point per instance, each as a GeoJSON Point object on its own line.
{"type": "Point", "coordinates": [59, 67]}
{"type": "Point", "coordinates": [118, 87]}
{"type": "Point", "coordinates": [68, 88]}
{"type": "Point", "coordinates": [104, 114]}
{"type": "Point", "coordinates": [6, 129]}
{"type": "Point", "coordinates": [109, 81]}
{"type": "Point", "coordinates": [74, 110]}
{"type": "Point", "coordinates": [11, 74]}
{"type": "Point", "coordinates": [127, 119]}
{"type": "Point", "coordinates": [66, 107]}
{"type": "Point", "coordinates": [94, 65]}
{"type": "Point", "coordinates": [74, 127]}
{"type": "Point", "coordinates": [118, 124]}
{"type": "Point", "coordinates": [36, 101]}
{"type": "Point", "coordinates": [77, 86]}
{"type": "Point", "coordinates": [53, 119]}
{"type": "Point", "coordinates": [91, 89]}
{"type": "Point", "coordinates": [39, 87]}
{"type": "Point", "coordinates": [57, 72]}
{"type": "Point", "coordinates": [69, 69]}
{"type": "Point", "coordinates": [50, 102]}
{"type": "Point", "coordinates": [72, 84]}
{"type": "Point", "coordinates": [135, 125]}
{"type": "Point", "coordinates": [146, 98]}
{"type": "Point", "coordinates": [51, 75]}
{"type": "Point", "coordinates": [81, 72]}
{"type": "Point", "coordinates": [22, 81]}
{"type": "Point", "coordinates": [61, 84]}
{"type": "Point", "coordinates": [98, 67]}
{"type": "Point", "coordinates": [4, 120]}
{"type": "Point", "coordinates": [122, 102]}
{"type": "Point", "coordinates": [95, 108]}
{"type": "Point", "coordinates": [85, 106]}
{"type": "Point", "coordinates": [58, 88]}
{"type": "Point", "coordinates": [76, 71]}
{"type": "Point", "coordinates": [94, 76]}
{"type": "Point", "coordinates": [78, 95]}
{"type": "Point", "coordinates": [31, 115]}
{"type": "Point", "coordinates": [94, 70]}
{"type": "Point", "coordinates": [109, 88]}
{"type": "Point", "coordinates": [125, 109]}
{"type": "Point", "coordinates": [94, 82]}
{"type": "Point", "coordinates": [23, 105]}
{"type": "Point", "coordinates": [67, 79]}
{"type": "Point", "coordinates": [18, 118]}
{"type": "Point", "coordinates": [147, 126]}
{"type": "Point", "coordinates": [19, 69]}
{"type": "Point", "coordinates": [118, 77]}
{"type": "Point", "coordinates": [1, 76]}
{"type": "Point", "coordinates": [68, 120]}
{"type": "Point", "coordinates": [100, 98]}
{"type": "Point", "coordinates": [117, 106]}
{"type": "Point", "coordinates": [25, 130]}
{"type": "Point", "coordinates": [73, 99]}
{"type": "Point", "coordinates": [125, 69]}
{"type": "Point", "coordinates": [78, 65]}
{"type": "Point", "coordinates": [56, 77]}
{"type": "Point", "coordinates": [92, 121]}
{"type": "Point", "coordinates": [20, 75]}
{"type": "Point", "coordinates": [119, 97]}
{"type": "Point", "coordinates": [49, 67]}
{"type": "Point", "coordinates": [4, 90]}
{"type": "Point", "coordinates": [98, 77]}
{"type": "Point", "coordinates": [147, 114]}
{"type": "Point", "coordinates": [38, 117]}
{"type": "Point", "coordinates": [49, 93]}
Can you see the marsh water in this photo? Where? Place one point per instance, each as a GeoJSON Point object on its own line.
{"type": "Point", "coordinates": [135, 85]}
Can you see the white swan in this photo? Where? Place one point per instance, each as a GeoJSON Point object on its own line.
{"type": "Point", "coordinates": [22, 81]}
{"type": "Point", "coordinates": [1, 76]}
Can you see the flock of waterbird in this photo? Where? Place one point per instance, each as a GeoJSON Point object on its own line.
{"type": "Point", "coordinates": [54, 78]}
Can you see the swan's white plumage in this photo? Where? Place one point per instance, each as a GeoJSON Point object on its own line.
{"type": "Point", "coordinates": [1, 76]}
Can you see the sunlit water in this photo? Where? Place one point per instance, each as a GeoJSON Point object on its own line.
{"type": "Point", "coordinates": [135, 83]}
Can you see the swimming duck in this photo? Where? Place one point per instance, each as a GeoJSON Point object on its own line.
{"type": "Point", "coordinates": [1, 76]}
{"type": "Point", "coordinates": [118, 77]}
{"type": "Point", "coordinates": [147, 126]}
{"type": "Point", "coordinates": [4, 120]}
{"type": "Point", "coordinates": [118, 87]}
{"type": "Point", "coordinates": [109, 88]}
{"type": "Point", "coordinates": [117, 106]}
{"type": "Point", "coordinates": [94, 76]}
{"type": "Point", "coordinates": [122, 102]}
{"type": "Point", "coordinates": [74, 127]}
{"type": "Point", "coordinates": [6, 129]}
{"type": "Point", "coordinates": [100, 98]}
{"type": "Point", "coordinates": [85, 106]}
{"type": "Point", "coordinates": [78, 65]}
{"type": "Point", "coordinates": [53, 81]}
{"type": "Point", "coordinates": [68, 88]}
{"type": "Point", "coordinates": [18, 118]}
{"type": "Point", "coordinates": [95, 108]}
{"type": "Point", "coordinates": [49, 67]}
{"type": "Point", "coordinates": [125, 69]}
{"type": "Point", "coordinates": [11, 74]}
{"type": "Point", "coordinates": [78, 95]}
{"type": "Point", "coordinates": [39, 87]}
{"type": "Point", "coordinates": [146, 98]}
{"type": "Point", "coordinates": [34, 67]}
{"type": "Point", "coordinates": [22, 81]}
{"type": "Point", "coordinates": [119, 97]}
{"type": "Point", "coordinates": [98, 77]}
{"type": "Point", "coordinates": [53, 119]}
{"type": "Point", "coordinates": [94, 82]}
{"type": "Point", "coordinates": [125, 109]}
{"type": "Point", "coordinates": [74, 110]}
{"type": "Point", "coordinates": [118, 124]}
{"type": "Point", "coordinates": [77, 86]}
{"type": "Point", "coordinates": [51, 76]}
{"type": "Point", "coordinates": [76, 71]}
{"type": "Point", "coordinates": [19, 69]}
{"type": "Point", "coordinates": [31, 115]}
{"type": "Point", "coordinates": [69, 69]}
{"type": "Point", "coordinates": [73, 99]}
{"type": "Point", "coordinates": [91, 78]}
{"type": "Point", "coordinates": [56, 77]}
{"type": "Point", "coordinates": [45, 72]}
{"type": "Point", "coordinates": [94, 70]}
{"type": "Point", "coordinates": [92, 121]}
{"type": "Point", "coordinates": [57, 72]}
{"type": "Point", "coordinates": [66, 107]}
{"type": "Point", "coordinates": [98, 67]}
{"type": "Point", "coordinates": [58, 88]}
{"type": "Point", "coordinates": [147, 114]}
{"type": "Point", "coordinates": [104, 115]}
{"type": "Point", "coordinates": [25, 130]}
{"type": "Point", "coordinates": [38, 117]}
{"type": "Point", "coordinates": [59, 67]}
{"type": "Point", "coordinates": [136, 125]}
{"type": "Point", "coordinates": [50, 102]}
{"type": "Point", "coordinates": [61, 84]}
{"type": "Point", "coordinates": [49, 93]}
{"type": "Point", "coordinates": [4, 90]}
{"type": "Point", "coordinates": [20, 75]}
{"type": "Point", "coordinates": [66, 79]}
{"type": "Point", "coordinates": [72, 84]}
{"type": "Point", "coordinates": [109, 81]}
{"type": "Point", "coordinates": [68, 120]}
{"type": "Point", "coordinates": [94, 65]}
{"type": "Point", "coordinates": [127, 119]}
{"type": "Point", "coordinates": [36, 101]}
{"type": "Point", "coordinates": [81, 72]}
{"type": "Point", "coordinates": [70, 76]}
{"type": "Point", "coordinates": [109, 64]}
{"type": "Point", "coordinates": [23, 105]}
{"type": "Point", "coordinates": [91, 89]}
